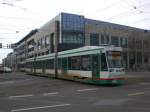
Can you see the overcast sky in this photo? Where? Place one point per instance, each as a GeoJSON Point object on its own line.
{"type": "Point", "coordinates": [18, 17]}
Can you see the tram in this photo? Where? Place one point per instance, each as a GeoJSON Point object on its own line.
{"type": "Point", "coordinates": [89, 64]}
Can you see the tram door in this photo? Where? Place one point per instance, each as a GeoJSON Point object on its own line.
{"type": "Point", "coordinates": [64, 65]}
{"type": "Point", "coordinates": [95, 67]}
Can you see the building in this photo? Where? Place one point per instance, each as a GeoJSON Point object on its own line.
{"type": "Point", "coordinates": [10, 61]}
{"type": "Point", "coordinates": [23, 49]}
{"type": "Point", "coordinates": [68, 31]}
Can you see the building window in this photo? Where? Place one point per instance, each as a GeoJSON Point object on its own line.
{"type": "Point", "coordinates": [94, 39]}
{"type": "Point", "coordinates": [104, 39]}
{"type": "Point", "coordinates": [145, 44]}
{"type": "Point", "coordinates": [43, 42]}
{"type": "Point", "coordinates": [132, 60]}
{"type": "Point", "coordinates": [115, 40]}
{"type": "Point", "coordinates": [47, 40]}
{"type": "Point", "coordinates": [72, 22]}
{"type": "Point", "coordinates": [39, 44]}
{"type": "Point", "coordinates": [139, 59]}
{"type": "Point", "coordinates": [123, 42]}
{"type": "Point", "coordinates": [146, 56]}
{"type": "Point", "coordinates": [125, 59]}
{"type": "Point", "coordinates": [76, 38]}
{"type": "Point", "coordinates": [138, 44]}
{"type": "Point", "coordinates": [131, 43]}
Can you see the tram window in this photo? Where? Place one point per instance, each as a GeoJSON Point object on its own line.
{"type": "Point", "coordinates": [69, 63]}
{"type": "Point", "coordinates": [76, 63]}
{"type": "Point", "coordinates": [47, 63]}
{"type": "Point", "coordinates": [59, 63]}
{"type": "Point", "coordinates": [103, 62]}
{"type": "Point", "coordinates": [85, 62]}
{"type": "Point", "coordinates": [39, 65]}
{"type": "Point", "coordinates": [34, 64]}
{"type": "Point", "coordinates": [51, 64]}
{"type": "Point", "coordinates": [28, 65]}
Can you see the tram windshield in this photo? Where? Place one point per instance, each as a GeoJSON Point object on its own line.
{"type": "Point", "coordinates": [114, 59]}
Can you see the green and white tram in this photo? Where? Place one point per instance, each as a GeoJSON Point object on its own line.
{"type": "Point", "coordinates": [89, 64]}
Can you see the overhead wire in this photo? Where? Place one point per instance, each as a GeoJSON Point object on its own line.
{"type": "Point", "coordinates": [17, 6]}
{"type": "Point", "coordinates": [141, 20]}
{"type": "Point", "coordinates": [12, 38]}
{"type": "Point", "coordinates": [20, 18]}
{"type": "Point", "coordinates": [130, 11]}
{"type": "Point", "coordinates": [135, 7]}
{"type": "Point", "coordinates": [107, 7]}
{"type": "Point", "coordinates": [11, 3]}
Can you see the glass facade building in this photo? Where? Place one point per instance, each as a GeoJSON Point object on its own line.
{"type": "Point", "coordinates": [77, 31]}
{"type": "Point", "coordinates": [74, 31]}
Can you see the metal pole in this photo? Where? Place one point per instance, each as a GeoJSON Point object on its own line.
{"type": "Point", "coordinates": [34, 46]}
{"type": "Point", "coordinates": [56, 34]}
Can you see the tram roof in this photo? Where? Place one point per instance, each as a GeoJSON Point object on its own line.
{"type": "Point", "coordinates": [91, 48]}
{"type": "Point", "coordinates": [85, 48]}
{"type": "Point", "coordinates": [75, 52]}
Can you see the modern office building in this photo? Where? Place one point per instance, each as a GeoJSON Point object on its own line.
{"type": "Point", "coordinates": [68, 31]}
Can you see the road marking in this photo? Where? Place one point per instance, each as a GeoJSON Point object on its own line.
{"type": "Point", "coordinates": [14, 81]}
{"type": "Point", "coordinates": [20, 96]}
{"type": "Point", "coordinates": [47, 94]}
{"type": "Point", "coordinates": [144, 83]}
{"type": "Point", "coordinates": [33, 108]}
{"type": "Point", "coordinates": [7, 82]}
{"type": "Point", "coordinates": [138, 93]}
{"type": "Point", "coordinates": [82, 90]}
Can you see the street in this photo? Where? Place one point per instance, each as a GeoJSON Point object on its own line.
{"type": "Point", "coordinates": [25, 93]}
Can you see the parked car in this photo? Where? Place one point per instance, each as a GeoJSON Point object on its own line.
{"type": "Point", "coordinates": [7, 69]}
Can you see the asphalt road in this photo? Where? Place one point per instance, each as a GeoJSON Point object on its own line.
{"type": "Point", "coordinates": [25, 93]}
